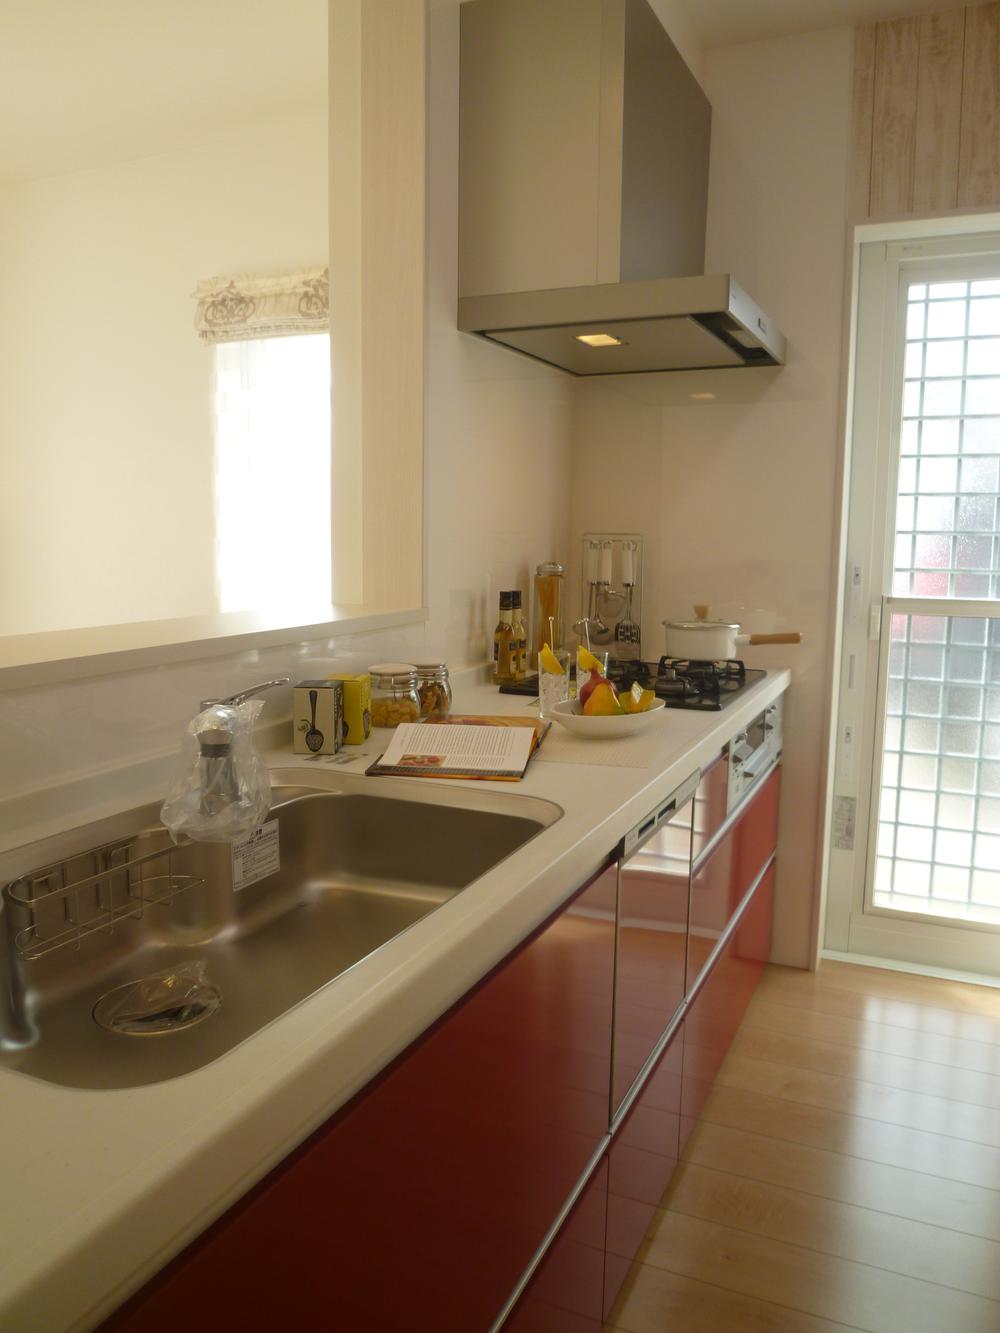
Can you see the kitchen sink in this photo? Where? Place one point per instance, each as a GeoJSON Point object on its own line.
{"type": "Point", "coordinates": [360, 862]}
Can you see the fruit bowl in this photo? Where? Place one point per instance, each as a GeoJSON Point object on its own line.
{"type": "Point", "coordinates": [571, 716]}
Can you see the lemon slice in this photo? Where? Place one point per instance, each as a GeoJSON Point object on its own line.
{"type": "Point", "coordinates": [586, 661]}
{"type": "Point", "coordinates": [548, 661]}
{"type": "Point", "coordinates": [637, 700]}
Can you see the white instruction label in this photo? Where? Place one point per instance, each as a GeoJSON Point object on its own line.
{"type": "Point", "coordinates": [257, 856]}
{"type": "Point", "coordinates": [844, 814]}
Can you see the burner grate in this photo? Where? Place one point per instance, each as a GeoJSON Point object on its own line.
{"type": "Point", "coordinates": [685, 683]}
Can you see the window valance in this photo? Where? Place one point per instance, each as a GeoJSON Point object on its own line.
{"type": "Point", "coordinates": [243, 307]}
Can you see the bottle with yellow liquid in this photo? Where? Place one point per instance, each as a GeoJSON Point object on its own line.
{"type": "Point", "coordinates": [503, 642]}
{"type": "Point", "coordinates": [520, 637]}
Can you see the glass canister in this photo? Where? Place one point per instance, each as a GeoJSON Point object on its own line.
{"type": "Point", "coordinates": [433, 689]}
{"type": "Point", "coordinates": [547, 608]}
{"type": "Point", "coordinates": [394, 694]}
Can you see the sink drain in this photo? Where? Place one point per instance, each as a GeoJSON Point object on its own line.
{"type": "Point", "coordinates": [166, 1002]}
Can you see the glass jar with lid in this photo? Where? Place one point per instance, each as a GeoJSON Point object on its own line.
{"type": "Point", "coordinates": [394, 694]}
{"type": "Point", "coordinates": [547, 608]}
{"type": "Point", "coordinates": [433, 689]}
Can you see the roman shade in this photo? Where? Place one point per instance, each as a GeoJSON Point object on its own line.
{"type": "Point", "coordinates": [238, 308]}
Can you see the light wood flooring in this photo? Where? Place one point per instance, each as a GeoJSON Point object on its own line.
{"type": "Point", "coordinates": [845, 1172]}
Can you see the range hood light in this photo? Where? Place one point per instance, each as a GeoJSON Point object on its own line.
{"type": "Point", "coordinates": [599, 339]}
{"type": "Point", "coordinates": [703, 397]}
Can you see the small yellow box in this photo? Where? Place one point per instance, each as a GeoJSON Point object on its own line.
{"type": "Point", "coordinates": [357, 706]}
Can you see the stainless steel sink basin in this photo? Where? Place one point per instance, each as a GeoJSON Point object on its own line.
{"type": "Point", "coordinates": [360, 862]}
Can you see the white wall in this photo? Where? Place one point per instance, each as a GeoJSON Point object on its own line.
{"type": "Point", "coordinates": [499, 425]}
{"type": "Point", "coordinates": [497, 500]}
{"type": "Point", "coordinates": [737, 495]}
{"type": "Point", "coordinates": [107, 509]}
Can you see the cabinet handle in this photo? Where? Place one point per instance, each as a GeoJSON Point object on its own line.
{"type": "Point", "coordinates": [643, 831]}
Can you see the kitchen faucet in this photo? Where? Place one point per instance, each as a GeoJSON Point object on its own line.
{"type": "Point", "coordinates": [234, 700]}
{"type": "Point", "coordinates": [219, 787]}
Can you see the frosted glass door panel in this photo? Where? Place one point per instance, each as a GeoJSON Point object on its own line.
{"type": "Point", "coordinates": [939, 816]}
{"type": "Point", "coordinates": [948, 511]}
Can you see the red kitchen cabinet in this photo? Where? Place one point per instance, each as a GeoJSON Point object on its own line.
{"type": "Point", "coordinates": [420, 1204]}
{"type": "Point", "coordinates": [720, 882]}
{"type": "Point", "coordinates": [642, 1159]}
{"type": "Point", "coordinates": [653, 891]}
{"type": "Point", "coordinates": [648, 1143]}
{"type": "Point", "coordinates": [717, 1008]}
{"type": "Point", "coordinates": [757, 836]}
{"type": "Point", "coordinates": [710, 803]}
{"type": "Point", "coordinates": [566, 1292]}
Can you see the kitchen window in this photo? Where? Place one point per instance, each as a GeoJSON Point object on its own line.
{"type": "Point", "coordinates": [270, 344]}
{"type": "Point", "coordinates": [271, 419]}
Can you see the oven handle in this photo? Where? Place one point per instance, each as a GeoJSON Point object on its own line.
{"type": "Point", "coordinates": [760, 760]}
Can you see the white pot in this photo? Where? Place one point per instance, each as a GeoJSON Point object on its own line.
{"type": "Point", "coordinates": [714, 640]}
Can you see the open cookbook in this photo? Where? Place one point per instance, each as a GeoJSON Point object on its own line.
{"type": "Point", "coordinates": [491, 748]}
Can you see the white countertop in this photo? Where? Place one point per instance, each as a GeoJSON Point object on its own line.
{"type": "Point", "coordinates": [102, 1188]}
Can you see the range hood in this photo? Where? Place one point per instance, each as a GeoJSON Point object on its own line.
{"type": "Point", "coordinates": [622, 328]}
{"type": "Point", "coordinates": [584, 152]}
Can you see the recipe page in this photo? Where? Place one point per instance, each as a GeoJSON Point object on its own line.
{"type": "Point", "coordinates": [457, 750]}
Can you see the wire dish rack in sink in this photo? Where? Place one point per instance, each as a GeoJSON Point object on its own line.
{"type": "Point", "coordinates": [69, 900]}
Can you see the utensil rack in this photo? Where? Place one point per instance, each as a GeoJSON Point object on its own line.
{"type": "Point", "coordinates": [601, 584]}
{"type": "Point", "coordinates": [65, 907]}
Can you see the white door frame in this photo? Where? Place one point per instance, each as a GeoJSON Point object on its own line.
{"type": "Point", "coordinates": [886, 256]}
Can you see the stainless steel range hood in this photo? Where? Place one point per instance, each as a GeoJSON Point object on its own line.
{"type": "Point", "coordinates": [629, 327]}
{"type": "Point", "coordinates": [584, 150]}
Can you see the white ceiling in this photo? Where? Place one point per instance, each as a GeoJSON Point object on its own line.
{"type": "Point", "coordinates": [720, 22]}
{"type": "Point", "coordinates": [88, 82]}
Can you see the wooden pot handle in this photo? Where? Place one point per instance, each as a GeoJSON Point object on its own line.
{"type": "Point", "coordinates": [791, 637]}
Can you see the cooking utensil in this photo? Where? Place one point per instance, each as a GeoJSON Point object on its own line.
{"type": "Point", "coordinates": [705, 640]}
{"type": "Point", "coordinates": [314, 737]}
{"type": "Point", "coordinates": [599, 631]}
{"type": "Point", "coordinates": [627, 631]}
{"type": "Point", "coordinates": [581, 628]}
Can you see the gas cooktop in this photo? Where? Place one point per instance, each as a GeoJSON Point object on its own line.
{"type": "Point", "coordinates": [699, 686]}
{"type": "Point", "coordinates": [680, 683]}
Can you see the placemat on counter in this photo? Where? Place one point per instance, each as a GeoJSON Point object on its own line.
{"type": "Point", "coordinates": [628, 752]}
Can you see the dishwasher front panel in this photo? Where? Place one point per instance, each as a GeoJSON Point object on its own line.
{"type": "Point", "coordinates": [653, 886]}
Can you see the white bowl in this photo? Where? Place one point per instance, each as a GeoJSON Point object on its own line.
{"type": "Point", "coordinates": [571, 716]}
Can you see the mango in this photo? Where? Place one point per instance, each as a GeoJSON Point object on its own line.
{"type": "Point", "coordinates": [589, 685]}
{"type": "Point", "coordinates": [603, 701]}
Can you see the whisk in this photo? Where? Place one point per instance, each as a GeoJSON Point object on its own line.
{"type": "Point", "coordinates": [626, 630]}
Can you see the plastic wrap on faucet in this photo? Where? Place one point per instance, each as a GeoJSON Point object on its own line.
{"type": "Point", "coordinates": [222, 791]}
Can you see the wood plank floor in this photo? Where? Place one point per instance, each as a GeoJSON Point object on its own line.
{"type": "Point", "coordinates": [845, 1172]}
